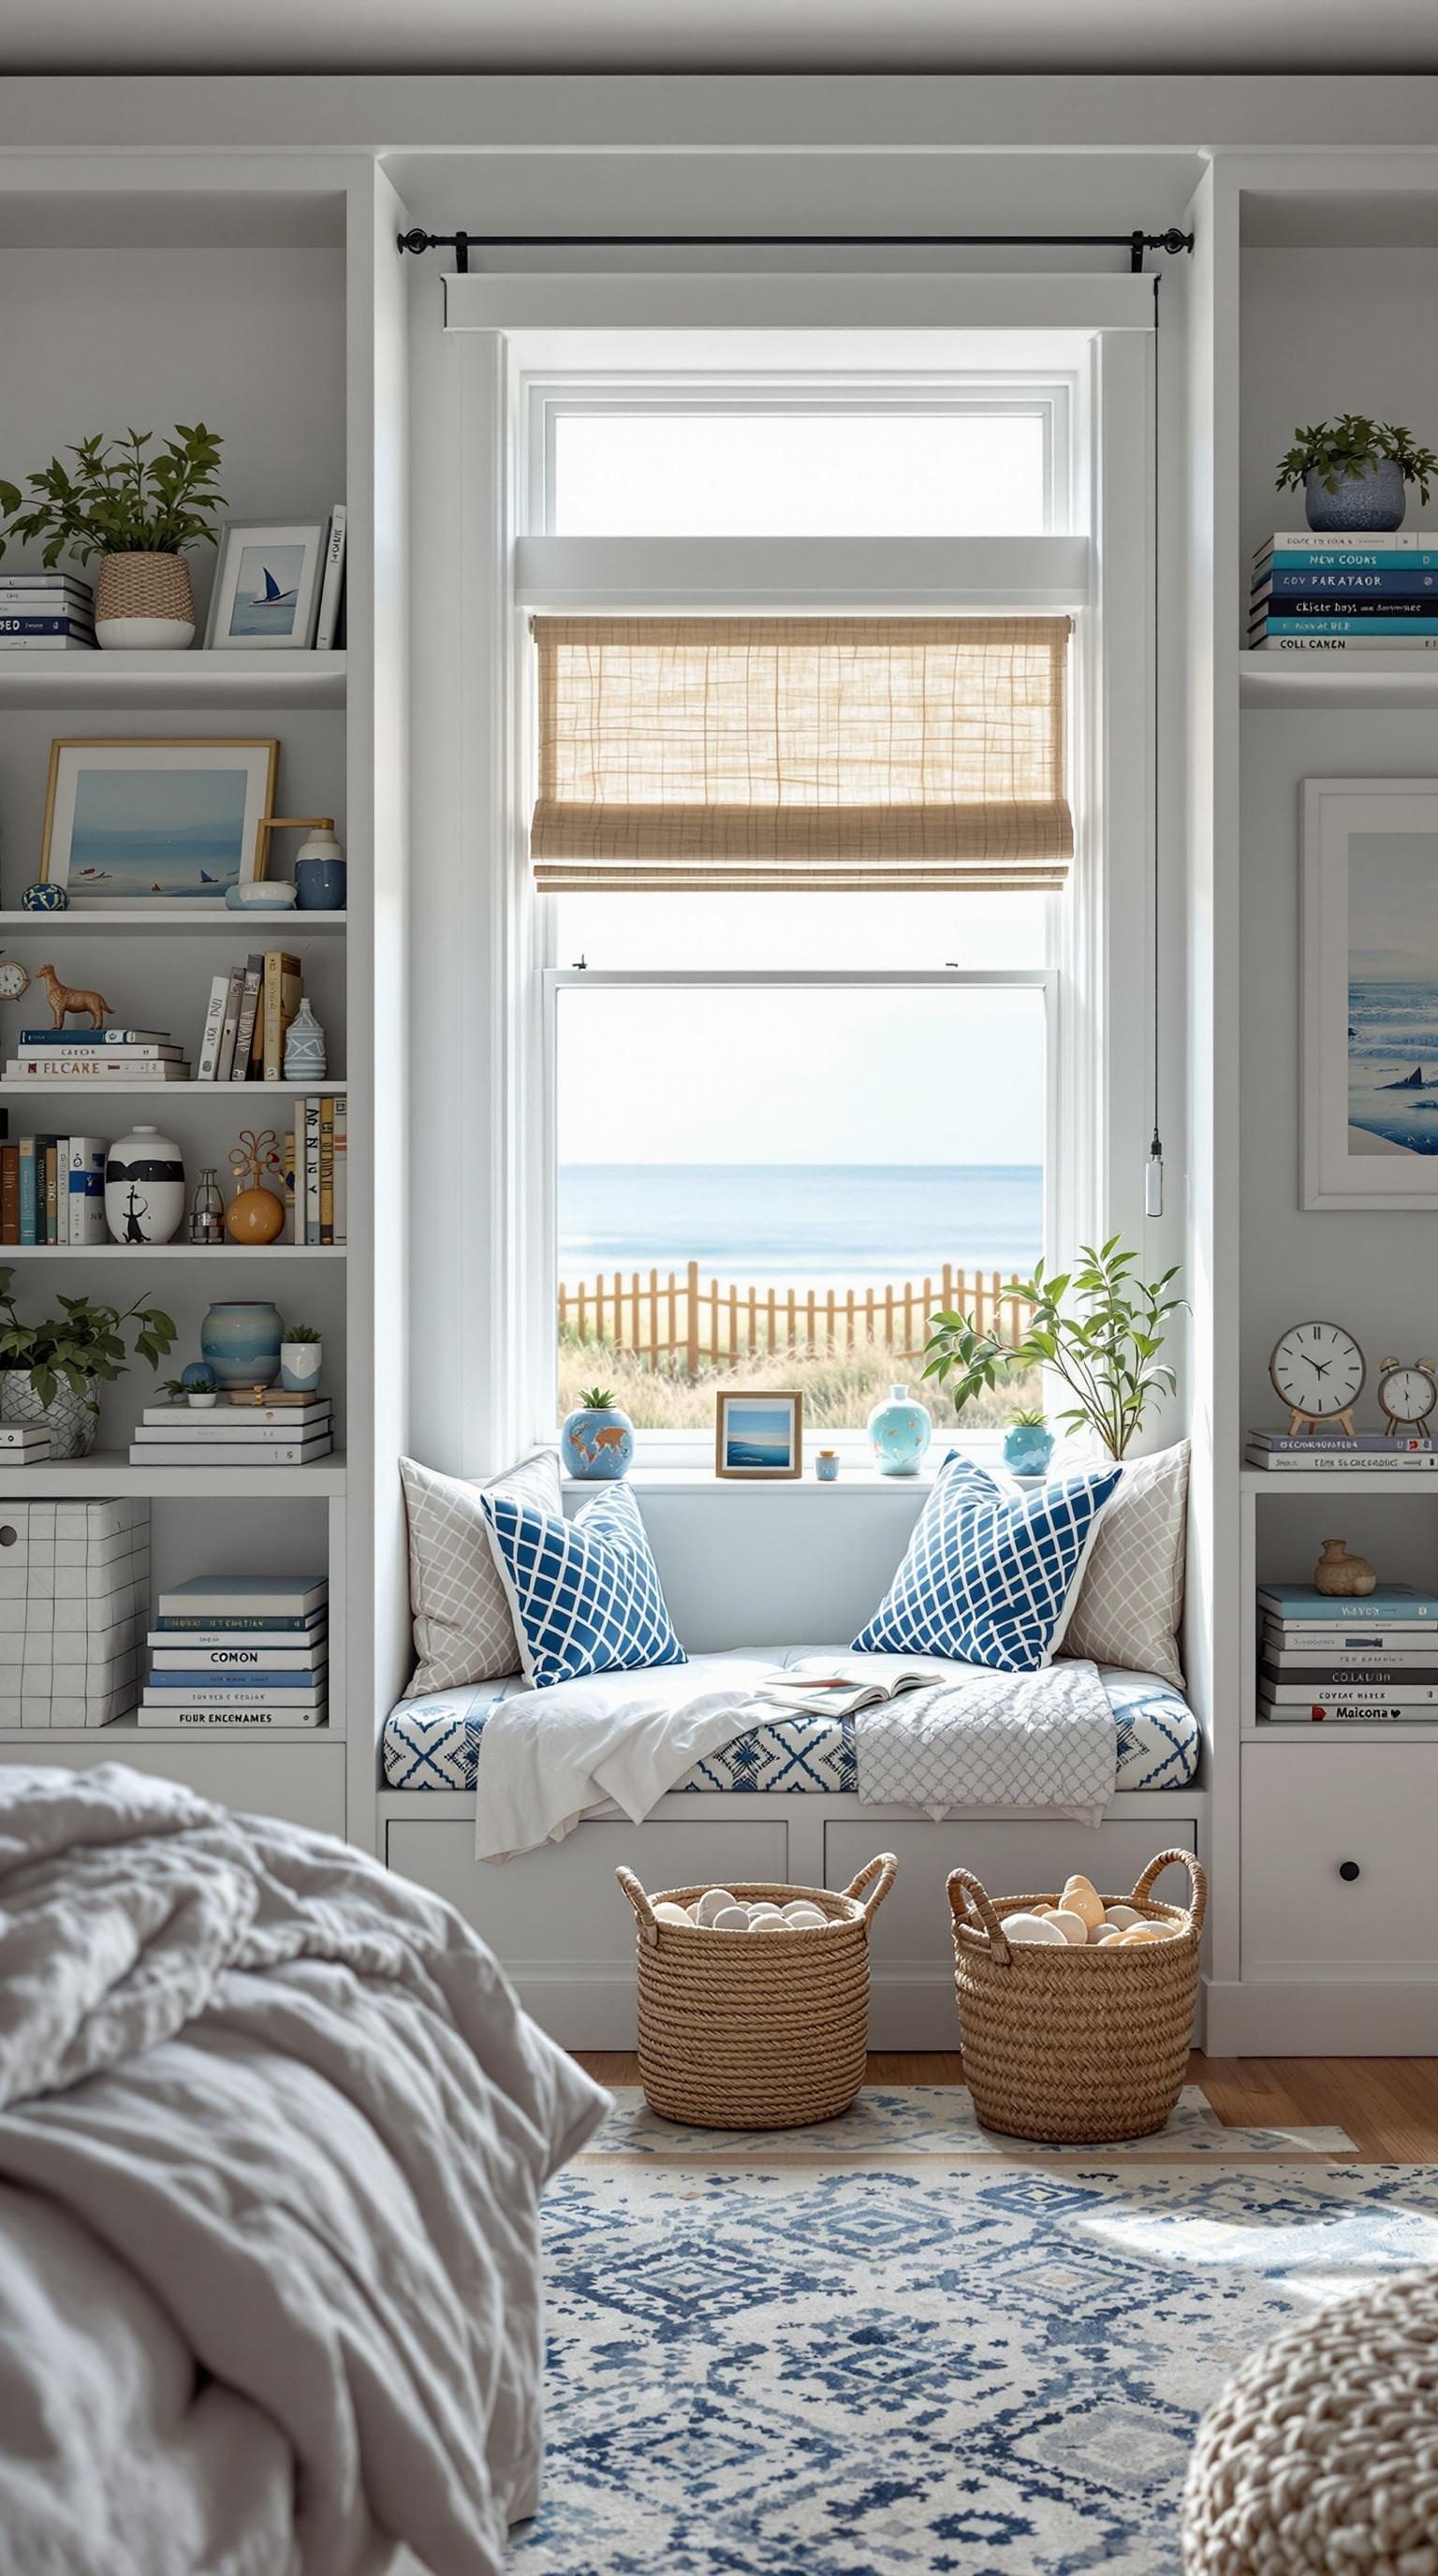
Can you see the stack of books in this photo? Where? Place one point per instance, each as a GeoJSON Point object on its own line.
{"type": "Point", "coordinates": [23, 1444]}
{"type": "Point", "coordinates": [1369, 1661]}
{"type": "Point", "coordinates": [281, 1430]}
{"type": "Point", "coordinates": [317, 1165]}
{"type": "Point", "coordinates": [249, 1653]}
{"type": "Point", "coordinates": [46, 1058]}
{"type": "Point", "coordinates": [1342, 594]}
{"type": "Point", "coordinates": [1406, 1453]}
{"type": "Point", "coordinates": [247, 1019]}
{"type": "Point", "coordinates": [52, 1190]}
{"type": "Point", "coordinates": [46, 612]}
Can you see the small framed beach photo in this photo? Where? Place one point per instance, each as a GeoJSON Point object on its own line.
{"type": "Point", "coordinates": [266, 596]}
{"type": "Point", "coordinates": [759, 1435]}
{"type": "Point", "coordinates": [1370, 993]}
{"type": "Point", "coordinates": [128, 823]}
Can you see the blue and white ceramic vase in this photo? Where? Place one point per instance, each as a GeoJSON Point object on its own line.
{"type": "Point", "coordinates": [240, 1340]}
{"type": "Point", "coordinates": [900, 1430]}
{"type": "Point", "coordinates": [144, 1187]}
{"type": "Point", "coordinates": [1376, 498]}
{"type": "Point", "coordinates": [1028, 1447]}
{"type": "Point", "coordinates": [320, 874]}
{"type": "Point", "coordinates": [305, 1058]}
{"type": "Point", "coordinates": [597, 1441]}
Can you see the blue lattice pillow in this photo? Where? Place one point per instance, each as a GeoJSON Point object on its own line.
{"type": "Point", "coordinates": [989, 1577]}
{"type": "Point", "coordinates": [585, 1593]}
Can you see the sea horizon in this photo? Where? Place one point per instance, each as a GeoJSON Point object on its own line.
{"type": "Point", "coordinates": [799, 1224]}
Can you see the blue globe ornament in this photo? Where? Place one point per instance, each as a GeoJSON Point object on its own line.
{"type": "Point", "coordinates": [198, 1373]}
{"type": "Point", "coordinates": [44, 897]}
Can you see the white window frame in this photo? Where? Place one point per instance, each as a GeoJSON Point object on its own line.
{"type": "Point", "coordinates": [1096, 976]}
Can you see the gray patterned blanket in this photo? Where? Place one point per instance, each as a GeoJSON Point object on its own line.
{"type": "Point", "coordinates": [973, 1738]}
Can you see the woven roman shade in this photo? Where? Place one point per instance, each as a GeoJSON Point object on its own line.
{"type": "Point", "coordinates": [801, 753]}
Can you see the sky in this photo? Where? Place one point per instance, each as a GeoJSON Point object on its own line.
{"type": "Point", "coordinates": [1392, 914]}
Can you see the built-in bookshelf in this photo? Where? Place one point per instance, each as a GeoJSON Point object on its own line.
{"type": "Point", "coordinates": [159, 324]}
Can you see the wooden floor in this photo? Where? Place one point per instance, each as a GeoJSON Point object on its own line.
{"type": "Point", "coordinates": [1388, 2105]}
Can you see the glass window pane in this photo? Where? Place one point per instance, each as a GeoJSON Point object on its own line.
{"type": "Point", "coordinates": [833, 473]}
{"type": "Point", "coordinates": [868, 931]}
{"type": "Point", "coordinates": [778, 1187]}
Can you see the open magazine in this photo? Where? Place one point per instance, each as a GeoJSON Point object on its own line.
{"type": "Point", "coordinates": [819, 1690]}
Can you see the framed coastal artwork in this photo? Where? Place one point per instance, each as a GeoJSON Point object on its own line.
{"type": "Point", "coordinates": [134, 823]}
{"type": "Point", "coordinates": [1370, 993]}
{"type": "Point", "coordinates": [266, 596]}
{"type": "Point", "coordinates": [759, 1435]}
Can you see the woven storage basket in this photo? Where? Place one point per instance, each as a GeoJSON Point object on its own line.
{"type": "Point", "coordinates": [742, 2031]}
{"type": "Point", "coordinates": [1075, 2046]}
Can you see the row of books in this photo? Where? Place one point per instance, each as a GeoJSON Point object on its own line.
{"type": "Point", "coordinates": [249, 1654]}
{"type": "Point", "coordinates": [52, 1190]}
{"type": "Point", "coordinates": [46, 612]}
{"type": "Point", "coordinates": [1373, 591]}
{"type": "Point", "coordinates": [1387, 1453]}
{"type": "Point", "coordinates": [47, 1058]}
{"type": "Point", "coordinates": [284, 1431]}
{"type": "Point", "coordinates": [247, 1019]}
{"type": "Point", "coordinates": [1367, 1661]}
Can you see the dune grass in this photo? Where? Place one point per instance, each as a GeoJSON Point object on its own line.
{"type": "Point", "coordinates": [840, 1387]}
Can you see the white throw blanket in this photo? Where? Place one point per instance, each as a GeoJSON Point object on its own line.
{"type": "Point", "coordinates": [622, 1740]}
{"type": "Point", "coordinates": [273, 2131]}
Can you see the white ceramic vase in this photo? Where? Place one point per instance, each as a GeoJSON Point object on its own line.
{"type": "Point", "coordinates": [144, 1187]}
{"type": "Point", "coordinates": [300, 1366]}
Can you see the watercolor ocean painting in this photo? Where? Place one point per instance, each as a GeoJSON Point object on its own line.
{"type": "Point", "coordinates": [758, 1435]}
{"type": "Point", "coordinates": [1393, 993]}
{"type": "Point", "coordinates": [165, 832]}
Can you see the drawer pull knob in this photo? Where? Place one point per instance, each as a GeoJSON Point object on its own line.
{"type": "Point", "coordinates": [1348, 1869]}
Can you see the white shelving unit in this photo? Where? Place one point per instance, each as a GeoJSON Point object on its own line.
{"type": "Point", "coordinates": [312, 249]}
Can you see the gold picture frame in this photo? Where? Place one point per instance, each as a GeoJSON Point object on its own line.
{"type": "Point", "coordinates": [773, 1421]}
{"type": "Point", "coordinates": [107, 795]}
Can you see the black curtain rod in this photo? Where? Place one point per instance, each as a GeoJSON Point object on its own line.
{"type": "Point", "coordinates": [419, 241]}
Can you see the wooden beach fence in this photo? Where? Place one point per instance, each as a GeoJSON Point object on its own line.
{"type": "Point", "coordinates": [672, 1316]}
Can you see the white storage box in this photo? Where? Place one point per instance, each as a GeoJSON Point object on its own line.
{"type": "Point", "coordinates": [74, 1609]}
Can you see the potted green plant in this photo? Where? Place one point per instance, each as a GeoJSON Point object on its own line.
{"type": "Point", "coordinates": [301, 1358]}
{"type": "Point", "coordinates": [1028, 1442]}
{"type": "Point", "coordinates": [50, 1372]}
{"type": "Point", "coordinates": [597, 1439]}
{"type": "Point", "coordinates": [1098, 1329]}
{"type": "Point", "coordinates": [135, 511]}
{"type": "Point", "coordinates": [1352, 472]}
{"type": "Point", "coordinates": [196, 1388]}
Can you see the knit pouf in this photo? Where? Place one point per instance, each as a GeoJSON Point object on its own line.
{"type": "Point", "coordinates": [1321, 2456]}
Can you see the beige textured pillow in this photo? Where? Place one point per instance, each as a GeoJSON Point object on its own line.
{"type": "Point", "coordinates": [463, 1630]}
{"type": "Point", "coordinates": [1130, 1601]}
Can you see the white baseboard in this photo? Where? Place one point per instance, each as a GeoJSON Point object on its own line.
{"type": "Point", "coordinates": [1263, 2018]}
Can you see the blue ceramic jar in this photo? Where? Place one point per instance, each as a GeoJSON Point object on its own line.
{"type": "Point", "coordinates": [1028, 1447]}
{"type": "Point", "coordinates": [900, 1430]}
{"type": "Point", "coordinates": [240, 1342]}
{"type": "Point", "coordinates": [597, 1443]}
{"type": "Point", "coordinates": [1376, 498]}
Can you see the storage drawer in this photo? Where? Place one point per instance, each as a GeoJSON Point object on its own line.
{"type": "Point", "coordinates": [1309, 1810]}
{"type": "Point", "coordinates": [302, 1782]}
{"type": "Point", "coordinates": [1011, 1859]}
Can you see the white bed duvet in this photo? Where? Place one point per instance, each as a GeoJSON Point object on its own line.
{"type": "Point", "coordinates": [273, 2132]}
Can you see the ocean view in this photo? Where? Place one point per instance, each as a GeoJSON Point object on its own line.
{"type": "Point", "coordinates": [1393, 1036]}
{"type": "Point", "coordinates": [799, 1224]}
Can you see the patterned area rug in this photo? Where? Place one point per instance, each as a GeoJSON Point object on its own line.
{"type": "Point", "coordinates": [935, 2120]}
{"type": "Point", "coordinates": [938, 2369]}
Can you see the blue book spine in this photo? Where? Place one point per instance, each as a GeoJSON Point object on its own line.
{"type": "Point", "coordinates": [1379, 558]}
{"type": "Point", "coordinates": [1415, 627]}
{"type": "Point", "coordinates": [1300, 1601]}
{"type": "Point", "coordinates": [27, 1189]}
{"type": "Point", "coordinates": [44, 626]}
{"type": "Point", "coordinates": [1344, 605]}
{"type": "Point", "coordinates": [81, 1041]}
{"type": "Point", "coordinates": [210, 1679]}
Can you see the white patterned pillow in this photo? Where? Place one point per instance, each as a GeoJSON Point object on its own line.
{"type": "Point", "coordinates": [1130, 1601]}
{"type": "Point", "coordinates": [463, 1625]}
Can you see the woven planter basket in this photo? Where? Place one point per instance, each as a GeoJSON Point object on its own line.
{"type": "Point", "coordinates": [743, 2030]}
{"type": "Point", "coordinates": [145, 586]}
{"type": "Point", "coordinates": [1075, 2046]}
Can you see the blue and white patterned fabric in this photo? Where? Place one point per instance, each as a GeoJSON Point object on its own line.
{"type": "Point", "coordinates": [989, 1576]}
{"type": "Point", "coordinates": [433, 1743]}
{"type": "Point", "coordinates": [585, 1594]}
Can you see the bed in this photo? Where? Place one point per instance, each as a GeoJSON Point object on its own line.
{"type": "Point", "coordinates": [273, 2133]}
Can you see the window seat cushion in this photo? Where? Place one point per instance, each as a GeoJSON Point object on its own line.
{"type": "Point", "coordinates": [433, 1742]}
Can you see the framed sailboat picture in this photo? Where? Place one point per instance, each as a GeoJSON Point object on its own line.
{"type": "Point", "coordinates": [267, 587]}
{"type": "Point", "coordinates": [128, 823]}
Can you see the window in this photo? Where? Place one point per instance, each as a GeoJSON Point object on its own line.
{"type": "Point", "coordinates": [783, 1124]}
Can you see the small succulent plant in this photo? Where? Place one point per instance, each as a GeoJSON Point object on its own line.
{"type": "Point", "coordinates": [597, 1399]}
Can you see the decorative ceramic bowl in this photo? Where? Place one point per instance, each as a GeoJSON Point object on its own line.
{"type": "Point", "coordinates": [267, 894]}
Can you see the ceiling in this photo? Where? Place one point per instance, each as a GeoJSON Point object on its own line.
{"type": "Point", "coordinates": [1284, 37]}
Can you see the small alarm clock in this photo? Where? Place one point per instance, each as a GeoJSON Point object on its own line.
{"type": "Point", "coordinates": [14, 982]}
{"type": "Point", "coordinates": [1407, 1394]}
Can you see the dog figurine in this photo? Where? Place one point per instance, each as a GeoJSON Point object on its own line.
{"type": "Point", "coordinates": [64, 998]}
